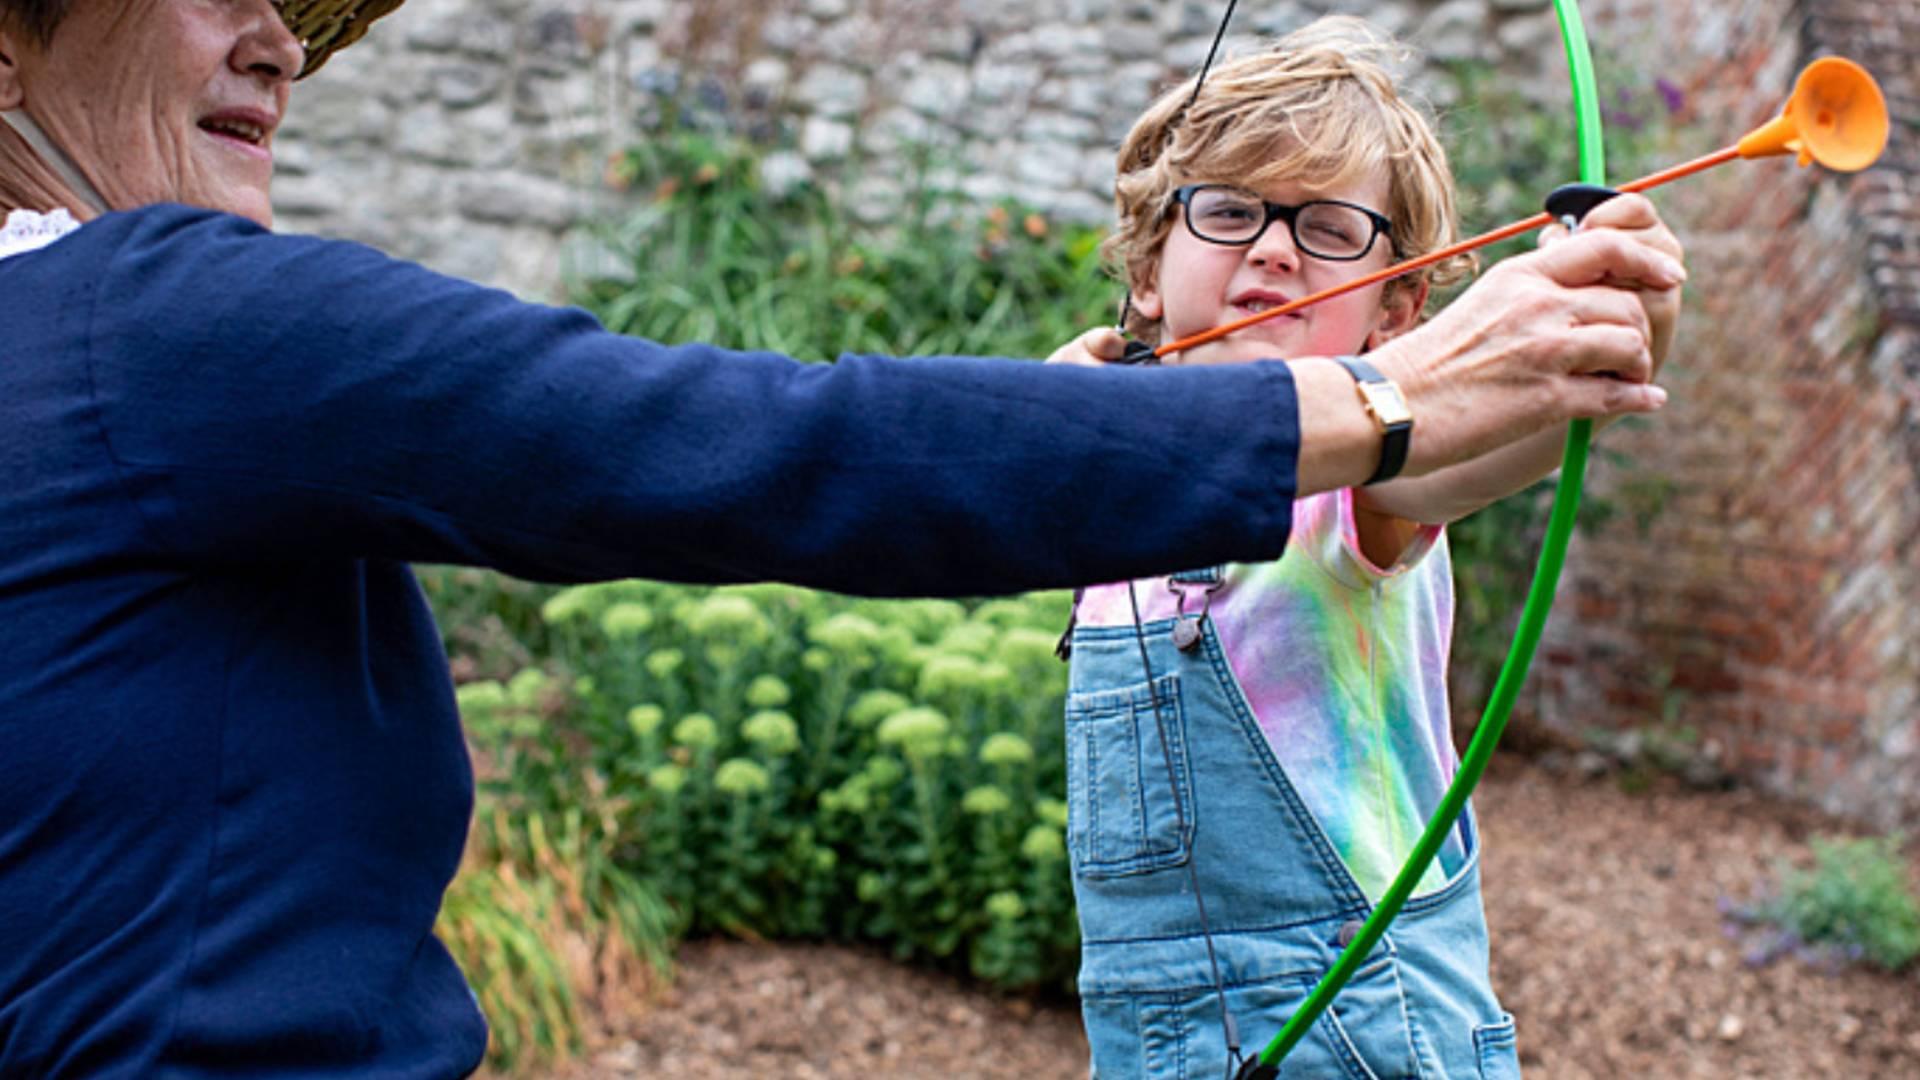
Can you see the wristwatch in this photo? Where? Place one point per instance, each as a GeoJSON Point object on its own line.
{"type": "Point", "coordinates": [1383, 402]}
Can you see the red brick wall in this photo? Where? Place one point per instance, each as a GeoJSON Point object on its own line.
{"type": "Point", "coordinates": [1766, 620]}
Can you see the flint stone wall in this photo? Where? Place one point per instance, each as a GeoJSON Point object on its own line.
{"type": "Point", "coordinates": [474, 135]}
{"type": "Point", "coordinates": [1754, 613]}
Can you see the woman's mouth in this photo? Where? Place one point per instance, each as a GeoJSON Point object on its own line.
{"type": "Point", "coordinates": [246, 134]}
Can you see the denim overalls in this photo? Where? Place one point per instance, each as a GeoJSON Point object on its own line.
{"type": "Point", "coordinates": [1279, 901]}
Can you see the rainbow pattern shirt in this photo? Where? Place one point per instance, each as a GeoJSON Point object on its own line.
{"type": "Point", "coordinates": [1344, 666]}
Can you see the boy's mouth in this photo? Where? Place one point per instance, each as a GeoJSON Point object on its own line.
{"type": "Point", "coordinates": [1256, 301]}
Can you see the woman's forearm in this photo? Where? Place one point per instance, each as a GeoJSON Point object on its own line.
{"type": "Point", "coordinates": [1339, 444]}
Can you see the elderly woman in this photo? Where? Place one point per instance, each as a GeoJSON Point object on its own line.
{"type": "Point", "coordinates": [232, 779]}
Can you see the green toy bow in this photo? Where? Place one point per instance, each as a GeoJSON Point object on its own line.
{"type": "Point", "coordinates": [1533, 618]}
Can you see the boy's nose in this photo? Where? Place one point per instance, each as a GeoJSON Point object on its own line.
{"type": "Point", "coordinates": [1274, 249]}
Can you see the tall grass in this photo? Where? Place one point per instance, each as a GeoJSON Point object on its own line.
{"type": "Point", "coordinates": [553, 933]}
{"type": "Point", "coordinates": [716, 257]}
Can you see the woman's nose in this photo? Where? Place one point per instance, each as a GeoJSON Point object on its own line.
{"type": "Point", "coordinates": [266, 47]}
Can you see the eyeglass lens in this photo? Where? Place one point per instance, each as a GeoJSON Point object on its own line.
{"type": "Point", "coordinates": [1325, 229]}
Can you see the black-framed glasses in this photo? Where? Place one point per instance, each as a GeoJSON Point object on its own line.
{"type": "Point", "coordinates": [1323, 228]}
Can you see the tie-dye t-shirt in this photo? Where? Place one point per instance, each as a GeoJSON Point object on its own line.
{"type": "Point", "coordinates": [1344, 666]}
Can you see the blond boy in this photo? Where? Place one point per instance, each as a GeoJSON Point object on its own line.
{"type": "Point", "coordinates": [1252, 750]}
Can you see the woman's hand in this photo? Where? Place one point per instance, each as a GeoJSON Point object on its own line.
{"type": "Point", "coordinates": [1636, 216]}
{"type": "Point", "coordinates": [1451, 493]}
{"type": "Point", "coordinates": [1542, 338]}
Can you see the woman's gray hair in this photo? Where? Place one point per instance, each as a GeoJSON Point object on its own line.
{"type": "Point", "coordinates": [37, 18]}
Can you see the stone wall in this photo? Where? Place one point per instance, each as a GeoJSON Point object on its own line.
{"type": "Point", "coordinates": [1752, 611]}
{"type": "Point", "coordinates": [473, 135]}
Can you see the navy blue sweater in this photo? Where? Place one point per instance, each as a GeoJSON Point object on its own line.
{"type": "Point", "coordinates": [232, 780]}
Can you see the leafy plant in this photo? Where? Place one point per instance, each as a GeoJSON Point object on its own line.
{"type": "Point", "coordinates": [552, 932]}
{"type": "Point", "coordinates": [718, 257]}
{"type": "Point", "coordinates": [795, 764]}
{"type": "Point", "coordinates": [1853, 905]}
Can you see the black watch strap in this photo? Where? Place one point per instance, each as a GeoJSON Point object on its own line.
{"type": "Point", "coordinates": [1390, 414]}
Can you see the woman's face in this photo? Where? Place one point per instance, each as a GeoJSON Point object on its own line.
{"type": "Point", "coordinates": [162, 100]}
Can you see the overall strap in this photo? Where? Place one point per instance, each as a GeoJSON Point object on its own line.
{"type": "Point", "coordinates": [1064, 647]}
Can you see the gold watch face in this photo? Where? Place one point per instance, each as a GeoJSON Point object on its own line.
{"type": "Point", "coordinates": [1385, 403]}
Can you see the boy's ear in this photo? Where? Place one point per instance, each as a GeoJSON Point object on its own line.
{"type": "Point", "coordinates": [1146, 294]}
{"type": "Point", "coordinates": [1399, 312]}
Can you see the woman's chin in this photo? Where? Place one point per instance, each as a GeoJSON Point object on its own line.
{"type": "Point", "coordinates": [253, 203]}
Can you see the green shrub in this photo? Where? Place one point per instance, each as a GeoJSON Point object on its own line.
{"type": "Point", "coordinates": [1854, 904]}
{"type": "Point", "coordinates": [717, 258]}
{"type": "Point", "coordinates": [778, 763]}
{"type": "Point", "coordinates": [553, 934]}
{"type": "Point", "coordinates": [792, 764]}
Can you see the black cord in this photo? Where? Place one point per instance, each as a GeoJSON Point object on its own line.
{"type": "Point", "coordinates": [1201, 79]}
{"type": "Point", "coordinates": [1139, 352]}
{"type": "Point", "coordinates": [1227, 1025]}
{"type": "Point", "coordinates": [1212, 51]}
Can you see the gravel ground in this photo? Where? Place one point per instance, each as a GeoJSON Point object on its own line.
{"type": "Point", "coordinates": [1608, 947]}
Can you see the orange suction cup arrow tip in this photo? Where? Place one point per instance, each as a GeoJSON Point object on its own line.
{"type": "Point", "coordinates": [1836, 116]}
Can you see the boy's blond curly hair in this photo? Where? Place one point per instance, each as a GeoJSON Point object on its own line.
{"type": "Point", "coordinates": [1319, 107]}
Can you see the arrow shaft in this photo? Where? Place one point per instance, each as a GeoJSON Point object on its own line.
{"type": "Point", "coordinates": [1651, 180]}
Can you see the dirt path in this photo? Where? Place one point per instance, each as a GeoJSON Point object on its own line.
{"type": "Point", "coordinates": [1608, 947]}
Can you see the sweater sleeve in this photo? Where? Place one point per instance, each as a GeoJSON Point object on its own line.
{"type": "Point", "coordinates": [271, 399]}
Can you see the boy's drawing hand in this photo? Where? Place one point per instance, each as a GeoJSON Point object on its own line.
{"type": "Point", "coordinates": [1636, 216]}
{"type": "Point", "coordinates": [1100, 345]}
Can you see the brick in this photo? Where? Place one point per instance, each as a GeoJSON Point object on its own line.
{"type": "Point", "coordinates": [1781, 584]}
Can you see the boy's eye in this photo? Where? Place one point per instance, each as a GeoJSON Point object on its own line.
{"type": "Point", "coordinates": [1334, 230]}
{"type": "Point", "coordinates": [1223, 210]}
{"type": "Point", "coordinates": [1331, 231]}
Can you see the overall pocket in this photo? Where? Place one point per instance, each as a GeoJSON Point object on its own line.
{"type": "Point", "coordinates": [1122, 814]}
{"type": "Point", "coordinates": [1365, 1035]}
{"type": "Point", "coordinates": [1498, 1049]}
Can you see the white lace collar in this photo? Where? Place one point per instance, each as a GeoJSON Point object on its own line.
{"type": "Point", "coordinates": [28, 230]}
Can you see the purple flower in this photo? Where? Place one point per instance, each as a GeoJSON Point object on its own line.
{"type": "Point", "coordinates": [1621, 118]}
{"type": "Point", "coordinates": [1671, 95]}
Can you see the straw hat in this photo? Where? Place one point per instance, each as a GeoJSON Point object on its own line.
{"type": "Point", "coordinates": [327, 26]}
